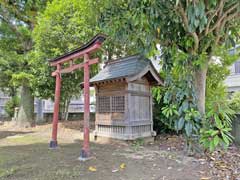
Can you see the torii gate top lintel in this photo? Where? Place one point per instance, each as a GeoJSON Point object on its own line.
{"type": "Point", "coordinates": [91, 46]}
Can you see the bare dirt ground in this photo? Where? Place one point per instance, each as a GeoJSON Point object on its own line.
{"type": "Point", "coordinates": [24, 155]}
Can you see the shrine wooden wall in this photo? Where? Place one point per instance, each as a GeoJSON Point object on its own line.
{"type": "Point", "coordinates": [110, 102]}
{"type": "Point", "coordinates": [124, 110]}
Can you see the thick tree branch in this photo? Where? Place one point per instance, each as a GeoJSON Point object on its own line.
{"type": "Point", "coordinates": [225, 20]}
{"type": "Point", "coordinates": [183, 16]}
{"type": "Point", "coordinates": [186, 27]}
{"type": "Point", "coordinates": [225, 15]}
{"type": "Point", "coordinates": [219, 9]}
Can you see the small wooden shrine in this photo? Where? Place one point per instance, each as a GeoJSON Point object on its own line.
{"type": "Point", "coordinates": [123, 98]}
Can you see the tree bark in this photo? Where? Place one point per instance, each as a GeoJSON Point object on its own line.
{"type": "Point", "coordinates": [67, 109]}
{"type": "Point", "coordinates": [64, 109]}
{"type": "Point", "coordinates": [26, 111]}
{"type": "Point", "coordinates": [200, 87]}
{"type": "Point", "coordinates": [66, 106]}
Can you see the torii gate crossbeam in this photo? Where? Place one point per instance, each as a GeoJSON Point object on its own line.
{"type": "Point", "coordinates": [84, 51]}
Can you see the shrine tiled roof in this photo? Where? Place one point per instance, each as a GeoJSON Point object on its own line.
{"type": "Point", "coordinates": [123, 68]}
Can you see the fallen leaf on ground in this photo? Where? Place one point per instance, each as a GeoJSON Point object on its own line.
{"type": "Point", "coordinates": [212, 158]}
{"type": "Point", "coordinates": [115, 170]}
{"type": "Point", "coordinates": [205, 178]}
{"type": "Point", "coordinates": [122, 166]}
{"type": "Point", "coordinates": [92, 169]}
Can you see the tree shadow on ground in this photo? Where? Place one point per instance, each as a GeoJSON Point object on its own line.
{"type": "Point", "coordinates": [70, 124]}
{"type": "Point", "coordinates": [77, 125]}
{"type": "Point", "coordinates": [4, 134]}
{"type": "Point", "coordinates": [37, 161]}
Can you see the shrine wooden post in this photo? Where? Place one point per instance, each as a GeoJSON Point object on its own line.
{"type": "Point", "coordinates": [84, 51]}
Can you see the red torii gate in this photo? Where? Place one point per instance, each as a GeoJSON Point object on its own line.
{"type": "Point", "coordinates": [84, 51]}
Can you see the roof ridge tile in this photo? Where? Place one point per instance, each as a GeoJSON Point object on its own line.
{"type": "Point", "coordinates": [121, 59]}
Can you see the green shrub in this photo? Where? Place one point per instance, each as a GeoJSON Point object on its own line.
{"type": "Point", "coordinates": [217, 126]}
{"type": "Point", "coordinates": [160, 123]}
{"type": "Point", "coordinates": [235, 102]}
{"type": "Point", "coordinates": [11, 105]}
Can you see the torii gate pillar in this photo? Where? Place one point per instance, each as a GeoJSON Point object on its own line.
{"type": "Point", "coordinates": [85, 152]}
{"type": "Point", "coordinates": [84, 51]}
{"type": "Point", "coordinates": [53, 142]}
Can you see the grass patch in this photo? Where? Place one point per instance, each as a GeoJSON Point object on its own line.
{"type": "Point", "coordinates": [8, 172]}
{"type": "Point", "coordinates": [27, 139]}
{"type": "Point", "coordinates": [66, 173]}
{"type": "Point", "coordinates": [138, 143]}
{"type": "Point", "coordinates": [3, 159]}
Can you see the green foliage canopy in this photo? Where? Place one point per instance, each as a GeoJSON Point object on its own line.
{"type": "Point", "coordinates": [189, 34]}
{"type": "Point", "coordinates": [63, 26]}
{"type": "Point", "coordinates": [17, 20]}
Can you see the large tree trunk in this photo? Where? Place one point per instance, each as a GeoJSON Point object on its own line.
{"type": "Point", "coordinates": [200, 86]}
{"type": "Point", "coordinates": [26, 112]}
